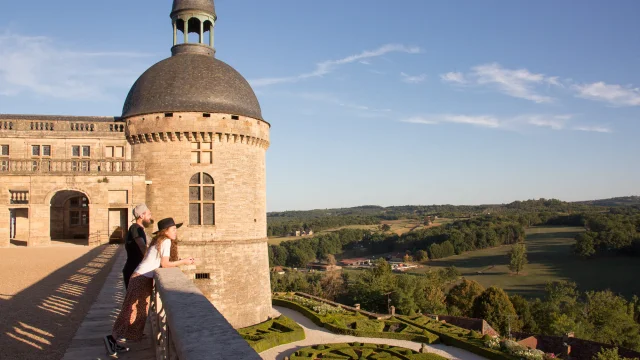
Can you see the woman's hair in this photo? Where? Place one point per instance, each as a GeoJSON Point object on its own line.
{"type": "Point", "coordinates": [158, 239]}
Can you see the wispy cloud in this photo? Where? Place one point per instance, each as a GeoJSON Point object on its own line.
{"type": "Point", "coordinates": [41, 66]}
{"type": "Point", "coordinates": [515, 123]}
{"type": "Point", "coordinates": [518, 83]}
{"type": "Point", "coordinates": [557, 122]}
{"type": "Point", "coordinates": [614, 94]}
{"type": "Point", "coordinates": [326, 67]}
{"type": "Point", "coordinates": [453, 77]}
{"type": "Point", "coordinates": [478, 120]}
{"type": "Point", "coordinates": [413, 79]}
{"type": "Point", "coordinates": [600, 129]}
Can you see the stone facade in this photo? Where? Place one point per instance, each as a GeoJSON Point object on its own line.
{"type": "Point", "coordinates": [43, 172]}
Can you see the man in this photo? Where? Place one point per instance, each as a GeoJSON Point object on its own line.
{"type": "Point", "coordinates": [136, 241]}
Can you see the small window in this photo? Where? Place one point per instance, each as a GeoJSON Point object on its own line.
{"type": "Point", "coordinates": [86, 151]}
{"type": "Point", "coordinates": [75, 151]}
{"type": "Point", "coordinates": [46, 150]}
{"type": "Point", "coordinates": [203, 276]}
{"type": "Point", "coordinates": [119, 151]}
{"type": "Point", "coordinates": [108, 151]}
{"type": "Point", "coordinates": [4, 150]}
{"type": "Point", "coordinates": [201, 153]}
{"type": "Point", "coordinates": [35, 150]}
{"type": "Point", "coordinates": [168, 114]}
{"type": "Point", "coordinates": [206, 115]}
{"type": "Point", "coordinates": [235, 117]}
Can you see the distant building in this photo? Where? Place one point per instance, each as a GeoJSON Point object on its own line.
{"type": "Point", "coordinates": [323, 267]}
{"type": "Point", "coordinates": [356, 262]}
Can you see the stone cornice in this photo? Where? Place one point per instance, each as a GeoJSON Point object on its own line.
{"type": "Point", "coordinates": [197, 137]}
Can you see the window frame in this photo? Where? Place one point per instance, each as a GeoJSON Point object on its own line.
{"type": "Point", "coordinates": [201, 202]}
{"type": "Point", "coordinates": [198, 150]}
{"type": "Point", "coordinates": [78, 210]}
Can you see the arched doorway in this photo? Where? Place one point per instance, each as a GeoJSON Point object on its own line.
{"type": "Point", "coordinates": [70, 216]}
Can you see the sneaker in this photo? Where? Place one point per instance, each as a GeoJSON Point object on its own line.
{"type": "Point", "coordinates": [120, 348]}
{"type": "Point", "coordinates": [110, 345]}
{"type": "Point", "coordinates": [124, 340]}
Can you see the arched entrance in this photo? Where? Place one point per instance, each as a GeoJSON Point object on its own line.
{"type": "Point", "coordinates": [70, 216]}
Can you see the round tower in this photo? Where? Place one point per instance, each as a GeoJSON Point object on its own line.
{"type": "Point", "coordinates": [197, 125]}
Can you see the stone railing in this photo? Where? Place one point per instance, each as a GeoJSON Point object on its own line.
{"type": "Point", "coordinates": [46, 126]}
{"type": "Point", "coordinates": [186, 326]}
{"type": "Point", "coordinates": [80, 166]}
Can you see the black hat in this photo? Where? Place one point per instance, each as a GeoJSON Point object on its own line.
{"type": "Point", "coordinates": [166, 223]}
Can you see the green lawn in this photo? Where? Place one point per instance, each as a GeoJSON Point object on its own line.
{"type": "Point", "coordinates": [550, 258]}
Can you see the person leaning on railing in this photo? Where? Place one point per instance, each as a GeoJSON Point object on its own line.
{"type": "Point", "coordinates": [130, 322]}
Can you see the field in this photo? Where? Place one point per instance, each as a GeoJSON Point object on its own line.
{"type": "Point", "coordinates": [550, 258]}
{"type": "Point", "coordinates": [397, 226]}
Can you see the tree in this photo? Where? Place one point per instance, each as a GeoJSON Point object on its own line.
{"type": "Point", "coordinates": [494, 306]}
{"type": "Point", "coordinates": [406, 258]}
{"type": "Point", "coordinates": [609, 316]}
{"type": "Point", "coordinates": [584, 246]}
{"type": "Point", "coordinates": [609, 354]}
{"type": "Point", "coordinates": [421, 255]}
{"type": "Point", "coordinates": [332, 285]}
{"type": "Point", "coordinates": [462, 296]}
{"type": "Point", "coordinates": [331, 260]}
{"type": "Point", "coordinates": [385, 227]}
{"type": "Point", "coordinates": [518, 257]}
{"type": "Point", "coordinates": [525, 318]}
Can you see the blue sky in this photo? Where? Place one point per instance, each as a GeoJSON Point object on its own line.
{"type": "Point", "coordinates": [371, 101]}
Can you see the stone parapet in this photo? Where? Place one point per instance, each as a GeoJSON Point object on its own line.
{"type": "Point", "coordinates": [186, 326]}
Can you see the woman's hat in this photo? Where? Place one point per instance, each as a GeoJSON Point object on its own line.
{"type": "Point", "coordinates": [166, 223]}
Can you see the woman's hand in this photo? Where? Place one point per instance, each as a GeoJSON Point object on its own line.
{"type": "Point", "coordinates": [188, 261]}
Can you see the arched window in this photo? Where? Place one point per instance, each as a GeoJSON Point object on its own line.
{"type": "Point", "coordinates": [202, 207]}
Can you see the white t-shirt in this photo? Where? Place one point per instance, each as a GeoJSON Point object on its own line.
{"type": "Point", "coordinates": [152, 260]}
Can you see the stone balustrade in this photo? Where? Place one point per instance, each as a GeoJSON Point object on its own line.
{"type": "Point", "coordinates": [47, 126]}
{"type": "Point", "coordinates": [19, 196]}
{"type": "Point", "coordinates": [80, 166]}
{"type": "Point", "coordinates": [186, 326]}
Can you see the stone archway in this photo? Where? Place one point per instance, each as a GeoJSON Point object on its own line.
{"type": "Point", "coordinates": [69, 220]}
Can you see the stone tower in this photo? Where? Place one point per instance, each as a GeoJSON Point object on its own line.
{"type": "Point", "coordinates": [197, 125]}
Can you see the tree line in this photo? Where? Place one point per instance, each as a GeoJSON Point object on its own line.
{"type": "Point", "coordinates": [432, 243]}
{"type": "Point", "coordinates": [611, 233]}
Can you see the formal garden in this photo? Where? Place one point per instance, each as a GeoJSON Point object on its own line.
{"type": "Point", "coordinates": [361, 351]}
{"type": "Point", "coordinates": [348, 321]}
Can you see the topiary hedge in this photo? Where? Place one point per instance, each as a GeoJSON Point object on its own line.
{"type": "Point", "coordinates": [475, 346]}
{"type": "Point", "coordinates": [362, 351]}
{"type": "Point", "coordinates": [428, 338]}
{"type": "Point", "coordinates": [272, 333]}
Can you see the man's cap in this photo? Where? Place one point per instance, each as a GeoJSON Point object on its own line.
{"type": "Point", "coordinates": [139, 210]}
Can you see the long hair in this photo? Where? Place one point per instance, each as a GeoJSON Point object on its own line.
{"type": "Point", "coordinates": [160, 238]}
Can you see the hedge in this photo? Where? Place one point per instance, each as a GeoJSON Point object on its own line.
{"type": "Point", "coordinates": [343, 350]}
{"type": "Point", "coordinates": [428, 338]}
{"type": "Point", "coordinates": [463, 343]}
{"type": "Point", "coordinates": [291, 332]}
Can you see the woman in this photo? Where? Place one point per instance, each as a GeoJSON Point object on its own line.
{"type": "Point", "coordinates": [133, 316]}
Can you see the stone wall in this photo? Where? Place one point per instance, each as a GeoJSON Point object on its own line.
{"type": "Point", "coordinates": [232, 266]}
